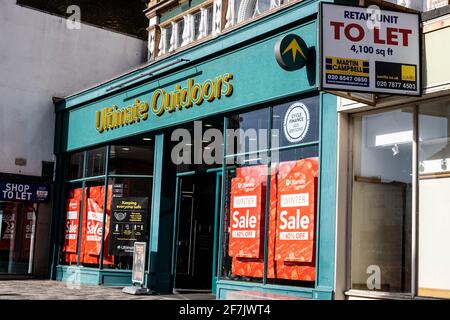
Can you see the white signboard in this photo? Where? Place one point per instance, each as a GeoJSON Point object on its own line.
{"type": "Point", "coordinates": [369, 50]}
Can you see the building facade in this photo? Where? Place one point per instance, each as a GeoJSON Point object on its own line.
{"type": "Point", "coordinates": [259, 219]}
{"type": "Point", "coordinates": [42, 58]}
{"type": "Point", "coordinates": [242, 177]}
{"type": "Point", "coordinates": [393, 227]}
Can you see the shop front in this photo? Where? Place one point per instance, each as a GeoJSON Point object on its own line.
{"type": "Point", "coordinates": [19, 211]}
{"type": "Point", "coordinates": [392, 218]}
{"type": "Point", "coordinates": [221, 157]}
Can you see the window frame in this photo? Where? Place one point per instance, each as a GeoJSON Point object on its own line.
{"type": "Point", "coordinates": [105, 177]}
{"type": "Point", "coordinates": [414, 207]}
{"type": "Point", "coordinates": [226, 168]}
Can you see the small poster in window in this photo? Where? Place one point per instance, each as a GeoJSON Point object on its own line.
{"type": "Point", "coordinates": [139, 262]}
{"type": "Point", "coordinates": [128, 224]}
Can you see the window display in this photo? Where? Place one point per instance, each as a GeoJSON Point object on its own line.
{"type": "Point", "coordinates": [93, 225]}
{"type": "Point", "coordinates": [272, 237]}
{"type": "Point", "coordinates": [124, 219]}
{"type": "Point", "coordinates": [17, 235]}
{"type": "Point", "coordinates": [296, 215]}
{"type": "Point", "coordinates": [72, 223]}
{"type": "Point", "coordinates": [130, 219]}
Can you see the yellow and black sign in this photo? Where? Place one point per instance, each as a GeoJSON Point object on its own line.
{"type": "Point", "coordinates": [345, 71]}
{"type": "Point", "coordinates": [291, 52]}
{"type": "Point", "coordinates": [397, 76]}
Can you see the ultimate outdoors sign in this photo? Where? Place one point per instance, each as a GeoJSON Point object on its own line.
{"type": "Point", "coordinates": [369, 50]}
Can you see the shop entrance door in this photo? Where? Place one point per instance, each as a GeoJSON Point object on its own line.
{"type": "Point", "coordinates": [196, 232]}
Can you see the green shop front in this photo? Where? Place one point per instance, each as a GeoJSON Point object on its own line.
{"type": "Point", "coordinates": [221, 157]}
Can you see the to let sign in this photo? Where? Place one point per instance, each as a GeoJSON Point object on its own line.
{"type": "Point", "coordinates": [11, 191]}
{"type": "Point", "coordinates": [369, 50]}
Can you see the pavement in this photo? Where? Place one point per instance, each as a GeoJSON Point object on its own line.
{"type": "Point", "coordinates": [57, 290]}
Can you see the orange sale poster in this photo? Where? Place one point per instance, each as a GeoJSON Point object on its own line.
{"type": "Point", "coordinates": [255, 267]}
{"type": "Point", "coordinates": [93, 226]}
{"type": "Point", "coordinates": [245, 218]}
{"type": "Point", "coordinates": [296, 210]}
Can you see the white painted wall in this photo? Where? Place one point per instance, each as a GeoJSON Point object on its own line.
{"type": "Point", "coordinates": [41, 58]}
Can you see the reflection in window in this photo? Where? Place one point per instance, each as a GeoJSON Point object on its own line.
{"type": "Point", "coordinates": [95, 162]}
{"type": "Point", "coordinates": [74, 169]}
{"type": "Point", "coordinates": [250, 131]}
{"type": "Point", "coordinates": [131, 159]}
{"type": "Point", "coordinates": [381, 201]}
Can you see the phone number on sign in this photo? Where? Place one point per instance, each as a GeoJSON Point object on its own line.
{"type": "Point", "coordinates": [347, 78]}
{"type": "Point", "coordinates": [396, 85]}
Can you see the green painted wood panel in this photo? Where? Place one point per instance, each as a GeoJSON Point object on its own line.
{"type": "Point", "coordinates": [327, 195]}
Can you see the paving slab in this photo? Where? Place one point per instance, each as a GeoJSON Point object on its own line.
{"type": "Point", "coordinates": [58, 290]}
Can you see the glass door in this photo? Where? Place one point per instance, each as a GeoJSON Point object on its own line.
{"type": "Point", "coordinates": [195, 232]}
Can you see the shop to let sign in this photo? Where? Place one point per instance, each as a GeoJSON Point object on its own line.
{"type": "Point", "coordinates": [369, 50]}
{"type": "Point", "coordinates": [23, 192]}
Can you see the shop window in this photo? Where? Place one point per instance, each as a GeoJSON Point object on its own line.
{"type": "Point", "coordinates": [74, 166]}
{"type": "Point", "coordinates": [128, 219]}
{"type": "Point", "coordinates": [131, 159]}
{"type": "Point", "coordinates": [381, 214]}
{"type": "Point", "coordinates": [197, 20]}
{"type": "Point", "coordinates": [250, 132]}
{"type": "Point", "coordinates": [93, 224]}
{"type": "Point", "coordinates": [72, 222]}
{"type": "Point", "coordinates": [83, 226]}
{"type": "Point", "coordinates": [296, 122]}
{"type": "Point", "coordinates": [168, 37]}
{"type": "Point", "coordinates": [434, 188]}
{"type": "Point", "coordinates": [271, 237]}
{"type": "Point", "coordinates": [17, 237]}
{"type": "Point", "coordinates": [209, 23]}
{"type": "Point", "coordinates": [95, 162]}
{"type": "Point", "coordinates": [293, 217]}
{"type": "Point", "coordinates": [180, 31]}
{"type": "Point", "coordinates": [243, 224]}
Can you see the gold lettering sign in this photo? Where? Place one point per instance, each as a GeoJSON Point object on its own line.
{"type": "Point", "coordinates": [180, 98]}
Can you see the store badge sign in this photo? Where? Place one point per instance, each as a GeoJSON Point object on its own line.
{"type": "Point", "coordinates": [369, 50]}
{"type": "Point", "coordinates": [291, 52]}
{"type": "Point", "coordinates": [296, 122]}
